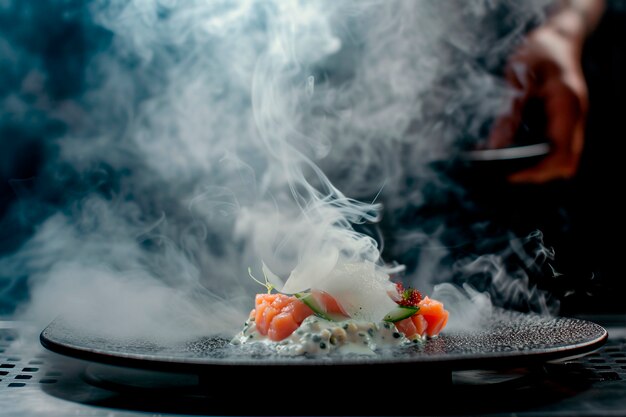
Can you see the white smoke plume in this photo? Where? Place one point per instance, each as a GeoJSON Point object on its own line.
{"type": "Point", "coordinates": [206, 137]}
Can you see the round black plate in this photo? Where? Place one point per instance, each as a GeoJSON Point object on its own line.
{"type": "Point", "coordinates": [505, 339]}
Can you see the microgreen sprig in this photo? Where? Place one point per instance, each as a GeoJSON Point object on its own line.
{"type": "Point", "coordinates": [266, 284]}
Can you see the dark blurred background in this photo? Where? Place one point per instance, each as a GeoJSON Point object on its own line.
{"type": "Point", "coordinates": [592, 248]}
{"type": "Point", "coordinates": [578, 222]}
{"type": "Point", "coordinates": [582, 219]}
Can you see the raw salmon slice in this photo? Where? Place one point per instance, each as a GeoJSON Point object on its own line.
{"type": "Point", "coordinates": [328, 303]}
{"type": "Point", "coordinates": [430, 320]}
{"type": "Point", "coordinates": [278, 315]}
{"type": "Point", "coordinates": [434, 314]}
{"type": "Point", "coordinates": [413, 326]}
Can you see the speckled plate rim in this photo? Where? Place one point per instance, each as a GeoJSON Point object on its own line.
{"type": "Point", "coordinates": [449, 361]}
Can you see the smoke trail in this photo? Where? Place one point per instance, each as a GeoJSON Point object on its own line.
{"type": "Point", "coordinates": [183, 142]}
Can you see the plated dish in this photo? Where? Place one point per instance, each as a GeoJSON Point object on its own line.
{"type": "Point", "coordinates": [315, 322]}
{"type": "Point", "coordinates": [353, 316]}
{"type": "Point", "coordinates": [503, 339]}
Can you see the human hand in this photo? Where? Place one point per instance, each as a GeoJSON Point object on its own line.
{"type": "Point", "coordinates": [548, 67]}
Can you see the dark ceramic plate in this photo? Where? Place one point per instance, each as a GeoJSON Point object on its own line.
{"type": "Point", "coordinates": [504, 340]}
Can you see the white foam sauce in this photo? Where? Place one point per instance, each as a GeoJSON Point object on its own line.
{"type": "Point", "coordinates": [317, 336]}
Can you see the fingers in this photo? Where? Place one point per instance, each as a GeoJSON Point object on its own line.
{"type": "Point", "coordinates": [505, 127]}
{"type": "Point", "coordinates": [553, 167]}
{"type": "Point", "coordinates": [547, 67]}
{"type": "Point", "coordinates": [566, 129]}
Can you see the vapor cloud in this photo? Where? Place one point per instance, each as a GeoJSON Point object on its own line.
{"type": "Point", "coordinates": [185, 141]}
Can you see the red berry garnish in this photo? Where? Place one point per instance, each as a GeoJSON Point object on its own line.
{"type": "Point", "coordinates": [410, 297]}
